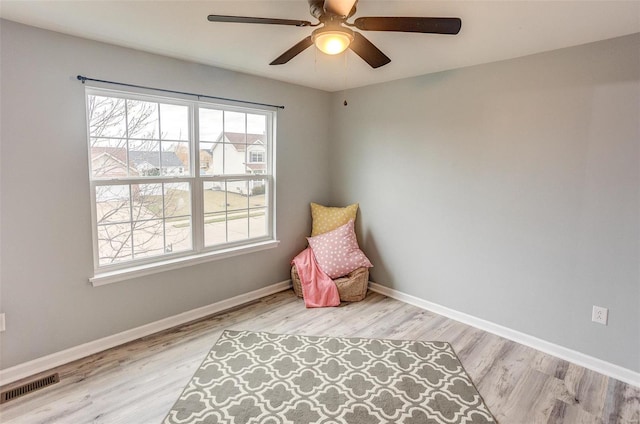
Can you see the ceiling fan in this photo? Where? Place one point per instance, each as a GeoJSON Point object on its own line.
{"type": "Point", "coordinates": [335, 35]}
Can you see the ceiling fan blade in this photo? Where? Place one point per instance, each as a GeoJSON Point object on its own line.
{"type": "Point", "coordinates": [407, 24]}
{"type": "Point", "coordinates": [253, 20]}
{"type": "Point", "coordinates": [293, 52]}
{"type": "Point", "coordinates": [340, 7]}
{"type": "Point", "coordinates": [368, 52]}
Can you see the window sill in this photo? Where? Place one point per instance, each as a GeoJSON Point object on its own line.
{"type": "Point", "coordinates": [104, 278]}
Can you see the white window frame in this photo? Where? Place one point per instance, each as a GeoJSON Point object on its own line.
{"type": "Point", "coordinates": [106, 274]}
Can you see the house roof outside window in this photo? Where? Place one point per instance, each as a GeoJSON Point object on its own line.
{"type": "Point", "coordinates": [153, 158]}
{"type": "Point", "coordinates": [137, 157]}
{"type": "Point", "coordinates": [240, 141]}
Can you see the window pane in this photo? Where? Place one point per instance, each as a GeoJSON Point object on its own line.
{"type": "Point", "coordinates": [144, 158]}
{"type": "Point", "coordinates": [148, 238]}
{"type": "Point", "coordinates": [142, 119]}
{"type": "Point", "coordinates": [237, 194]}
{"type": "Point", "coordinates": [206, 159]}
{"type": "Point", "coordinates": [210, 124]}
{"type": "Point", "coordinates": [107, 117]}
{"type": "Point", "coordinates": [108, 158]}
{"type": "Point", "coordinates": [174, 122]}
{"type": "Point", "coordinates": [112, 204]}
{"type": "Point", "coordinates": [178, 235]}
{"type": "Point", "coordinates": [234, 122]}
{"type": "Point", "coordinates": [257, 193]}
{"type": "Point", "coordinates": [178, 212]}
{"type": "Point", "coordinates": [217, 159]}
{"type": "Point", "coordinates": [234, 157]}
{"type": "Point", "coordinates": [256, 124]}
{"type": "Point", "coordinates": [257, 222]}
{"type": "Point", "coordinates": [175, 159]}
{"type": "Point", "coordinates": [114, 243]}
{"type": "Point", "coordinates": [146, 201]}
{"type": "Point", "coordinates": [177, 200]}
{"type": "Point", "coordinates": [238, 225]}
{"type": "Point", "coordinates": [258, 212]}
{"type": "Point", "coordinates": [215, 229]}
{"type": "Point", "coordinates": [214, 197]}
{"type": "Point", "coordinates": [256, 154]}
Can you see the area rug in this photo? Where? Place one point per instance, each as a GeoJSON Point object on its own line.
{"type": "Point", "coordinates": [267, 378]}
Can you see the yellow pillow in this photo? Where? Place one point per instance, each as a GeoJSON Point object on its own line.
{"type": "Point", "coordinates": [327, 219]}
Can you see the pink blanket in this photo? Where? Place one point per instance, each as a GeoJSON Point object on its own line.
{"type": "Point", "coordinates": [318, 289]}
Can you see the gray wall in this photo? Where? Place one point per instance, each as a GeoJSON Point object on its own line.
{"type": "Point", "coordinates": [507, 191]}
{"type": "Point", "coordinates": [46, 224]}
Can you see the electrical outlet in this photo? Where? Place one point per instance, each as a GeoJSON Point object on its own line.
{"type": "Point", "coordinates": [2, 325]}
{"type": "Point", "coordinates": [599, 315]}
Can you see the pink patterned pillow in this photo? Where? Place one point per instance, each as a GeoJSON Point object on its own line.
{"type": "Point", "coordinates": [337, 252]}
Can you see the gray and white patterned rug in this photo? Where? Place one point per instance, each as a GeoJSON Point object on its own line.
{"type": "Point", "coordinates": [267, 378]}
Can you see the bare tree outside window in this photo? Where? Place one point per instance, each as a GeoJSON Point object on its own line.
{"type": "Point", "coordinates": [134, 220]}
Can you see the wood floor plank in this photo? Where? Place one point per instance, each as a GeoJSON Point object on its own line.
{"type": "Point", "coordinates": [622, 403]}
{"type": "Point", "coordinates": [501, 377]}
{"type": "Point", "coordinates": [137, 383]}
{"type": "Point", "coordinates": [588, 388]}
{"type": "Point", "coordinates": [565, 413]}
{"type": "Point", "coordinates": [534, 397]}
{"type": "Point", "coordinates": [550, 365]}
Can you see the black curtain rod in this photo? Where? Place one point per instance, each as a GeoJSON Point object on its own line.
{"type": "Point", "coordinates": [84, 79]}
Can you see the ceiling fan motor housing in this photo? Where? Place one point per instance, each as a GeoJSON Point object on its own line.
{"type": "Point", "coordinates": [319, 10]}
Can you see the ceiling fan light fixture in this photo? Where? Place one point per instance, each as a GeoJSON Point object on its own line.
{"type": "Point", "coordinates": [332, 41]}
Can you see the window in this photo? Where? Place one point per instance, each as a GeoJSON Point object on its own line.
{"type": "Point", "coordinates": [175, 179]}
{"type": "Point", "coordinates": [256, 156]}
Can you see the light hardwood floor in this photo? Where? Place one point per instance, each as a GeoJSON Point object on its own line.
{"type": "Point", "coordinates": [137, 383]}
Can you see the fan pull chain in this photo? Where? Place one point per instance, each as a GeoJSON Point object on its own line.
{"type": "Point", "coordinates": [346, 75]}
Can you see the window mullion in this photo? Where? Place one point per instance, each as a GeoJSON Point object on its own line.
{"type": "Point", "coordinates": [249, 188]}
{"type": "Point", "coordinates": [164, 219]}
{"type": "Point", "coordinates": [270, 159]}
{"type": "Point", "coordinates": [226, 210]}
{"type": "Point", "coordinates": [160, 142]}
{"type": "Point", "coordinates": [94, 213]}
{"type": "Point", "coordinates": [197, 202]}
{"type": "Point", "coordinates": [126, 134]}
{"type": "Point", "coordinates": [131, 222]}
{"type": "Point", "coordinates": [224, 146]}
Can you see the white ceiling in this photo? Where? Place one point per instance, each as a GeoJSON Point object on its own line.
{"type": "Point", "coordinates": [491, 31]}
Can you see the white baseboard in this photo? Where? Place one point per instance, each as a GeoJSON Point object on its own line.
{"type": "Point", "coordinates": [595, 364]}
{"type": "Point", "coordinates": [53, 360]}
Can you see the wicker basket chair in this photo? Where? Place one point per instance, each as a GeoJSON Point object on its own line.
{"type": "Point", "coordinates": [351, 288]}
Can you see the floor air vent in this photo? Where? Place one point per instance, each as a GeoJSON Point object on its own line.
{"type": "Point", "coordinates": [29, 387]}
